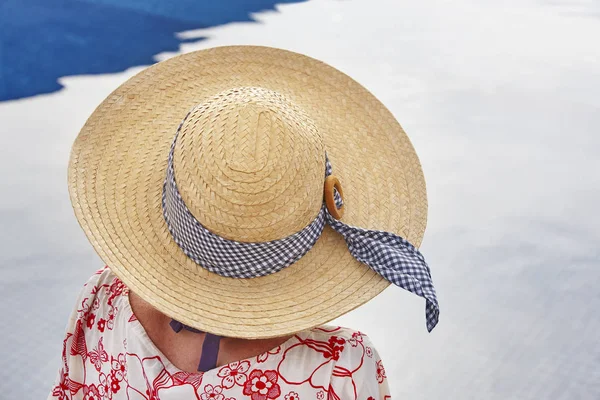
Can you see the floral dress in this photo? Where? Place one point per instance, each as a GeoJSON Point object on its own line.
{"type": "Point", "coordinates": [108, 355]}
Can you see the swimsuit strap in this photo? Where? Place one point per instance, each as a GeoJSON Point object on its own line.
{"type": "Point", "coordinates": [210, 347]}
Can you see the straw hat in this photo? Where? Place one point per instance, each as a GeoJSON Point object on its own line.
{"type": "Point", "coordinates": [249, 166]}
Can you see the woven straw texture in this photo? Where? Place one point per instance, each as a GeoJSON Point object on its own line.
{"type": "Point", "coordinates": [249, 165]}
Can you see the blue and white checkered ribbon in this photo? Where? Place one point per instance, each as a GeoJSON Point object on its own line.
{"type": "Point", "coordinates": [388, 254]}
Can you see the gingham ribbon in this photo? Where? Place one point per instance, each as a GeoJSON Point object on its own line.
{"type": "Point", "coordinates": [388, 254]}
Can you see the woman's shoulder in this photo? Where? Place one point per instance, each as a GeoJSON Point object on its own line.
{"type": "Point", "coordinates": [99, 299]}
{"type": "Point", "coordinates": [339, 344]}
{"type": "Point", "coordinates": [103, 276]}
{"type": "Point", "coordinates": [335, 334]}
{"type": "Point", "coordinates": [335, 357]}
{"type": "Point", "coordinates": [103, 284]}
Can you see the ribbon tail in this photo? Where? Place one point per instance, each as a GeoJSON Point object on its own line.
{"type": "Point", "coordinates": [395, 259]}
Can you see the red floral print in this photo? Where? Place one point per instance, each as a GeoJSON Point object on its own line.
{"type": "Point", "coordinates": [112, 311]}
{"type": "Point", "coordinates": [292, 396]}
{"type": "Point", "coordinates": [91, 393]}
{"type": "Point", "coordinates": [78, 342]}
{"type": "Point", "coordinates": [114, 383]}
{"type": "Point", "coordinates": [336, 347]}
{"type": "Point", "coordinates": [234, 374]}
{"type": "Point", "coordinates": [380, 372]}
{"type": "Point", "coordinates": [181, 378]}
{"type": "Point", "coordinates": [319, 366]}
{"type": "Point", "coordinates": [90, 320]}
{"type": "Point", "coordinates": [98, 355]}
{"type": "Point", "coordinates": [119, 367]}
{"type": "Point", "coordinates": [104, 386]}
{"type": "Point", "coordinates": [116, 289]}
{"type": "Point", "coordinates": [107, 355]}
{"type": "Point", "coordinates": [357, 338]}
{"type": "Point", "coordinates": [84, 311]}
{"type": "Point", "coordinates": [60, 390]}
{"type": "Point", "coordinates": [147, 375]}
{"type": "Point", "coordinates": [101, 324]}
{"type": "Point", "coordinates": [261, 358]}
{"type": "Point", "coordinates": [212, 393]}
{"type": "Point", "coordinates": [262, 385]}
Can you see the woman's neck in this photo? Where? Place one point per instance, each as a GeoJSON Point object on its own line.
{"type": "Point", "coordinates": [184, 349]}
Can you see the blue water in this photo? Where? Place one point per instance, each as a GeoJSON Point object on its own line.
{"type": "Point", "coordinates": [43, 40]}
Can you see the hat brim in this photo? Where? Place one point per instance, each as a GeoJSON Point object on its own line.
{"type": "Point", "coordinates": [118, 165]}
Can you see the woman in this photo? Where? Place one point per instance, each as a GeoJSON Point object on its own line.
{"type": "Point", "coordinates": [228, 239]}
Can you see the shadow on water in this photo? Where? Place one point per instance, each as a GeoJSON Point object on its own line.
{"type": "Point", "coordinates": [43, 40]}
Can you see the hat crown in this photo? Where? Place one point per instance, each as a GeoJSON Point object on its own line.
{"type": "Point", "coordinates": [250, 165]}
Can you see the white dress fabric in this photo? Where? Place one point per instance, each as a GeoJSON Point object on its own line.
{"type": "Point", "coordinates": [108, 355]}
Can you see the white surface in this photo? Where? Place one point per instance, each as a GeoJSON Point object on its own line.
{"type": "Point", "coordinates": [501, 102]}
